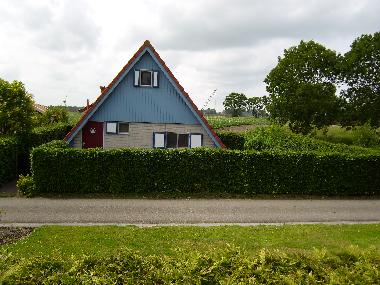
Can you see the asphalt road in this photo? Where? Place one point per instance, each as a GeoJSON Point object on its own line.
{"type": "Point", "coordinates": [37, 211]}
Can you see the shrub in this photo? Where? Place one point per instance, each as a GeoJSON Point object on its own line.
{"type": "Point", "coordinates": [231, 266]}
{"type": "Point", "coordinates": [60, 170]}
{"type": "Point", "coordinates": [25, 185]}
{"type": "Point", "coordinates": [38, 137]}
{"type": "Point", "coordinates": [232, 140]}
{"type": "Point", "coordinates": [8, 159]}
{"type": "Point", "coordinates": [280, 139]}
{"type": "Point", "coordinates": [365, 136]}
{"type": "Point", "coordinates": [55, 114]}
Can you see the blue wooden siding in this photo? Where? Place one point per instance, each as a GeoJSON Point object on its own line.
{"type": "Point", "coordinates": [145, 104]}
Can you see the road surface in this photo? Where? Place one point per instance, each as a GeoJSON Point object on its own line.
{"type": "Point", "coordinates": [38, 211]}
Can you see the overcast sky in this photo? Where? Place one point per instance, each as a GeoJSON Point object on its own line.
{"type": "Point", "coordinates": [62, 48]}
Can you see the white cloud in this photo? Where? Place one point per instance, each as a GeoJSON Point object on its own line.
{"type": "Point", "coordinates": [68, 48]}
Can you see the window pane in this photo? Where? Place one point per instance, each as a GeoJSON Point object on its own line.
{"type": "Point", "coordinates": [196, 140]}
{"type": "Point", "coordinates": [123, 128]}
{"type": "Point", "coordinates": [146, 78]}
{"type": "Point", "coordinates": [159, 140]}
{"type": "Point", "coordinates": [183, 140]}
{"type": "Point", "coordinates": [171, 140]}
{"type": "Point", "coordinates": [111, 128]}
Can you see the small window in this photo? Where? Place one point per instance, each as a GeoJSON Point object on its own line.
{"type": "Point", "coordinates": [183, 140]}
{"type": "Point", "coordinates": [159, 140]}
{"type": "Point", "coordinates": [145, 78]}
{"type": "Point", "coordinates": [195, 140]}
{"type": "Point", "coordinates": [111, 128]}
{"type": "Point", "coordinates": [123, 128]}
{"type": "Point", "coordinates": [171, 140]}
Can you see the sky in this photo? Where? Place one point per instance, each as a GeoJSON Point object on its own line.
{"type": "Point", "coordinates": [66, 49]}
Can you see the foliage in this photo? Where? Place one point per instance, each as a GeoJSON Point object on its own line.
{"type": "Point", "coordinates": [361, 73]}
{"type": "Point", "coordinates": [366, 136]}
{"type": "Point", "coordinates": [25, 185]}
{"type": "Point", "coordinates": [55, 114]}
{"type": "Point", "coordinates": [16, 108]}
{"type": "Point", "coordinates": [8, 159]}
{"type": "Point", "coordinates": [67, 170]}
{"type": "Point", "coordinates": [235, 103]}
{"type": "Point", "coordinates": [232, 140]}
{"type": "Point", "coordinates": [227, 266]}
{"type": "Point", "coordinates": [301, 87]}
{"type": "Point", "coordinates": [280, 139]}
{"type": "Point", "coordinates": [257, 105]}
{"type": "Point", "coordinates": [218, 122]}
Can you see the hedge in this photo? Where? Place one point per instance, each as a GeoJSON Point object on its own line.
{"type": "Point", "coordinates": [232, 140]}
{"type": "Point", "coordinates": [8, 159]}
{"type": "Point", "coordinates": [219, 266]}
{"type": "Point", "coordinates": [39, 136]}
{"type": "Point", "coordinates": [15, 151]}
{"type": "Point", "coordinates": [58, 169]}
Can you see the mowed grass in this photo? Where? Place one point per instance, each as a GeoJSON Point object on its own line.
{"type": "Point", "coordinates": [102, 241]}
{"type": "Point", "coordinates": [218, 122]}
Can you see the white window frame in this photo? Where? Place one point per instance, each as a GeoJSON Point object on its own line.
{"type": "Point", "coordinates": [151, 77]}
{"type": "Point", "coordinates": [161, 134]}
{"type": "Point", "coordinates": [193, 145]}
{"type": "Point", "coordinates": [111, 131]}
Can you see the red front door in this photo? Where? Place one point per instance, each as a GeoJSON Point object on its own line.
{"type": "Point", "coordinates": [92, 135]}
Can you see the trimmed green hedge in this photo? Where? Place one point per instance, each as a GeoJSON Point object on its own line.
{"type": "Point", "coordinates": [39, 136]}
{"type": "Point", "coordinates": [8, 159]}
{"type": "Point", "coordinates": [219, 266]}
{"type": "Point", "coordinates": [66, 170]}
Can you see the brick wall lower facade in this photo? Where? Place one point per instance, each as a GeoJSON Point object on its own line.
{"type": "Point", "coordinates": [141, 135]}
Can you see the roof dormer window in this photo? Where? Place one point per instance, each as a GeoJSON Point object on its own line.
{"type": "Point", "coordinates": [146, 78]}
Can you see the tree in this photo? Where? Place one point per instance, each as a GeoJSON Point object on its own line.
{"type": "Point", "coordinates": [235, 103]}
{"type": "Point", "coordinates": [16, 108]}
{"type": "Point", "coordinates": [361, 74]}
{"type": "Point", "coordinates": [55, 114]}
{"type": "Point", "coordinates": [302, 89]}
{"type": "Point", "coordinates": [257, 105]}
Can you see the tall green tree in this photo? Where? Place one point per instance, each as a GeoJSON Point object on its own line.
{"type": "Point", "coordinates": [361, 74]}
{"type": "Point", "coordinates": [235, 103]}
{"type": "Point", "coordinates": [302, 89]}
{"type": "Point", "coordinates": [16, 108]}
{"type": "Point", "coordinates": [256, 106]}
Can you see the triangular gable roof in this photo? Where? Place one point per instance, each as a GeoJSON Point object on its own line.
{"type": "Point", "coordinates": [108, 90]}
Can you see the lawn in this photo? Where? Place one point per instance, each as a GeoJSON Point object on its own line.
{"type": "Point", "coordinates": [105, 240]}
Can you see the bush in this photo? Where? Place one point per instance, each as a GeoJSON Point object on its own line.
{"type": "Point", "coordinates": [232, 140]}
{"type": "Point", "coordinates": [25, 185]}
{"type": "Point", "coordinates": [231, 266]}
{"type": "Point", "coordinates": [365, 136]}
{"type": "Point", "coordinates": [8, 159]}
{"type": "Point", "coordinates": [39, 136]}
{"type": "Point", "coordinates": [280, 139]}
{"type": "Point", "coordinates": [67, 170]}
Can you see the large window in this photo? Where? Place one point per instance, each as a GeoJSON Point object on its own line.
{"type": "Point", "coordinates": [117, 128]}
{"type": "Point", "coordinates": [174, 140]}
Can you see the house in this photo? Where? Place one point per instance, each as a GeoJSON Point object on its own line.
{"type": "Point", "coordinates": [143, 107]}
{"type": "Point", "coordinates": [39, 108]}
